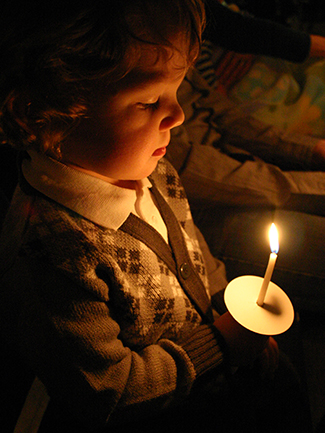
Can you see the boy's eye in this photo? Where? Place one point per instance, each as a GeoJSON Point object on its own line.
{"type": "Point", "coordinates": [150, 106]}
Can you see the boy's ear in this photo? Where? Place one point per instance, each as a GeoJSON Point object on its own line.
{"type": "Point", "coordinates": [19, 107]}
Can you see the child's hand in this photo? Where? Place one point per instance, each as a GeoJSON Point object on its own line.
{"type": "Point", "coordinates": [244, 346]}
{"type": "Point", "coordinates": [268, 360]}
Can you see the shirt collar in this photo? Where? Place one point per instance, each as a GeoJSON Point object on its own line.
{"type": "Point", "coordinates": [101, 202]}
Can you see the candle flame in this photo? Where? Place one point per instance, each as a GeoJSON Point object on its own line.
{"type": "Point", "coordinates": [274, 239]}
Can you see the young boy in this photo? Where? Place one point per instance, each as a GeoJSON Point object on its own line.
{"type": "Point", "coordinates": [107, 287]}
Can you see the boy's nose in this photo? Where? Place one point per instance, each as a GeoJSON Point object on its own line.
{"type": "Point", "coordinates": [175, 118]}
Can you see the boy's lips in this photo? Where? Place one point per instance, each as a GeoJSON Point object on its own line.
{"type": "Point", "coordinates": [160, 152]}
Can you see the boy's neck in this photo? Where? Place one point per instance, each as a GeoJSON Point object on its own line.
{"type": "Point", "coordinates": [128, 184]}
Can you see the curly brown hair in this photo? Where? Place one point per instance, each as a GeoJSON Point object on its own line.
{"type": "Point", "coordinates": [55, 52]}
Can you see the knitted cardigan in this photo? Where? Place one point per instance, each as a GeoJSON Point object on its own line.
{"type": "Point", "coordinates": [112, 321]}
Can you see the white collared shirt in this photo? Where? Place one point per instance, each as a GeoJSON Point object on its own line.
{"type": "Point", "coordinates": [95, 199]}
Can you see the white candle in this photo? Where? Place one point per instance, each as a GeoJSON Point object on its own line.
{"type": "Point", "coordinates": [274, 244]}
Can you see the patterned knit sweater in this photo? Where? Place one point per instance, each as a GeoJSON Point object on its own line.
{"type": "Point", "coordinates": [112, 321]}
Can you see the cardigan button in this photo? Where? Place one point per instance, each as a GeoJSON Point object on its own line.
{"type": "Point", "coordinates": [185, 270]}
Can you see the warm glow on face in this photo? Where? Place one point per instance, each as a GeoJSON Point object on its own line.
{"type": "Point", "coordinates": [274, 239]}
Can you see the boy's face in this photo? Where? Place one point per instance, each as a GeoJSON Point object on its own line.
{"type": "Point", "coordinates": [127, 133]}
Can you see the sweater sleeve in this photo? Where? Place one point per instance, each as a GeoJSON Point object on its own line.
{"type": "Point", "coordinates": [246, 34]}
{"type": "Point", "coordinates": [73, 344]}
